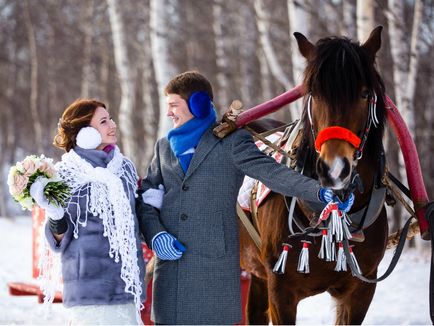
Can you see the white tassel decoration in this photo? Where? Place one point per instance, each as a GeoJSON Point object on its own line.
{"type": "Point", "coordinates": [341, 263]}
{"type": "Point", "coordinates": [326, 246]}
{"type": "Point", "coordinates": [332, 249]}
{"type": "Point", "coordinates": [354, 260]}
{"type": "Point", "coordinates": [303, 259]}
{"type": "Point", "coordinates": [279, 267]}
{"type": "Point", "coordinates": [335, 225]}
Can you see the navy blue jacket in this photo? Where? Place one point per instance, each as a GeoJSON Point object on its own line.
{"type": "Point", "coordinates": [90, 276]}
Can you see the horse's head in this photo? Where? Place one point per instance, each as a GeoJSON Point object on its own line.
{"type": "Point", "coordinates": [344, 109]}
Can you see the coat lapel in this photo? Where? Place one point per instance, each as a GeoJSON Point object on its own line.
{"type": "Point", "coordinates": [206, 144]}
{"type": "Point", "coordinates": [174, 163]}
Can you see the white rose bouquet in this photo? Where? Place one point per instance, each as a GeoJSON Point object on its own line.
{"type": "Point", "coordinates": [25, 173]}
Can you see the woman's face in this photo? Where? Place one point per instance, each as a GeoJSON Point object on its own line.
{"type": "Point", "coordinates": [102, 122]}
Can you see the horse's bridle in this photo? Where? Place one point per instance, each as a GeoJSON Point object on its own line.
{"type": "Point", "coordinates": [342, 133]}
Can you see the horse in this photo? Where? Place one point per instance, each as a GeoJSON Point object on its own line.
{"type": "Point", "coordinates": [341, 139]}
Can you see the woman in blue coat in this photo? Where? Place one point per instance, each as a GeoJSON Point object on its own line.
{"type": "Point", "coordinates": [97, 233]}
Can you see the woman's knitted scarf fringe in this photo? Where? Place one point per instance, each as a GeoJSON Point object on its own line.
{"type": "Point", "coordinates": [105, 197]}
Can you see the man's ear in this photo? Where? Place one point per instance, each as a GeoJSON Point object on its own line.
{"type": "Point", "coordinates": [200, 104]}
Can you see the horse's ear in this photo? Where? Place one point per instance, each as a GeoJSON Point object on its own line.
{"type": "Point", "coordinates": [306, 48]}
{"type": "Point", "coordinates": [373, 43]}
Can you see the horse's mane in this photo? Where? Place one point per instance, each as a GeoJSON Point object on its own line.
{"type": "Point", "coordinates": [336, 74]}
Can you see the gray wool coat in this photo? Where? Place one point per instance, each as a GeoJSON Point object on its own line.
{"type": "Point", "coordinates": [199, 208]}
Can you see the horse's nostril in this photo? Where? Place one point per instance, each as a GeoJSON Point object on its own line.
{"type": "Point", "coordinates": [346, 170]}
{"type": "Point", "coordinates": [321, 167]}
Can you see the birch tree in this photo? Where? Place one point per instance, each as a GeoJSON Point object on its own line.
{"type": "Point", "coordinates": [126, 80]}
{"type": "Point", "coordinates": [87, 49]}
{"type": "Point", "coordinates": [248, 56]}
{"type": "Point", "coordinates": [416, 39]}
{"type": "Point", "coordinates": [150, 108]}
{"type": "Point", "coordinates": [365, 18]}
{"type": "Point", "coordinates": [163, 14]}
{"type": "Point", "coordinates": [398, 48]}
{"type": "Point", "coordinates": [265, 76]}
{"type": "Point", "coordinates": [298, 18]}
{"type": "Point", "coordinates": [262, 21]}
{"type": "Point", "coordinates": [37, 128]}
{"type": "Point", "coordinates": [220, 26]}
{"type": "Point", "coordinates": [52, 86]}
{"type": "Point", "coordinates": [349, 15]}
{"type": "Point", "coordinates": [405, 63]}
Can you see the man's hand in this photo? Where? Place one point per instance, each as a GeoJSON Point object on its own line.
{"type": "Point", "coordinates": [167, 247]}
{"type": "Point", "coordinates": [327, 195]}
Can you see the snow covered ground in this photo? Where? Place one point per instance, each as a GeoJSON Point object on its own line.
{"type": "Point", "coordinates": [400, 299]}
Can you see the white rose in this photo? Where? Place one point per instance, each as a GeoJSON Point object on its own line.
{"type": "Point", "coordinates": [12, 171]}
{"type": "Point", "coordinates": [26, 202]}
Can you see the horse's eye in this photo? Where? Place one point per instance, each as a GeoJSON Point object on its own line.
{"type": "Point", "coordinates": [364, 94]}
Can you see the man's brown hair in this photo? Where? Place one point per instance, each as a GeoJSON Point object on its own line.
{"type": "Point", "coordinates": [187, 83]}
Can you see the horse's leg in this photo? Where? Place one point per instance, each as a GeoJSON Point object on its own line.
{"type": "Point", "coordinates": [282, 301]}
{"type": "Point", "coordinates": [352, 306]}
{"type": "Point", "coordinates": [257, 302]}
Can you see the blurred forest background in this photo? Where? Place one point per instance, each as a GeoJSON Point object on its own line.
{"type": "Point", "coordinates": [124, 52]}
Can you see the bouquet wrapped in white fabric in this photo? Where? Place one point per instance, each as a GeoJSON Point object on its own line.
{"type": "Point", "coordinates": [25, 173]}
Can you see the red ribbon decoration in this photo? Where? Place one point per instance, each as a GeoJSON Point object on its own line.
{"type": "Point", "coordinates": [336, 132]}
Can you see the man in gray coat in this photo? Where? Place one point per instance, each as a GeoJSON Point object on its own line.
{"type": "Point", "coordinates": [189, 212]}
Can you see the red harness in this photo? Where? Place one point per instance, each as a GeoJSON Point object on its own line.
{"type": "Point", "coordinates": [336, 132]}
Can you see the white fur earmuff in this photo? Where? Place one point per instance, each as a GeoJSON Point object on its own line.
{"type": "Point", "coordinates": [88, 138]}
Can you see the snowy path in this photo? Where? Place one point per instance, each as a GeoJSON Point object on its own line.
{"type": "Point", "coordinates": [401, 299]}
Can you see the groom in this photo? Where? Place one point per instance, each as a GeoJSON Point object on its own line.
{"type": "Point", "coordinates": [190, 195]}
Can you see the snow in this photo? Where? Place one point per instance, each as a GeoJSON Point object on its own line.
{"type": "Point", "coordinates": [402, 299]}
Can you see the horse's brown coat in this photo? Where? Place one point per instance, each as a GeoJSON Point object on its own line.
{"type": "Point", "coordinates": [275, 297]}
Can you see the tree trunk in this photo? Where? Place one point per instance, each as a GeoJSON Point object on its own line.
{"type": "Point", "coordinates": [150, 108]}
{"type": "Point", "coordinates": [126, 81]}
{"type": "Point", "coordinates": [398, 48]}
{"type": "Point", "coordinates": [104, 73]}
{"type": "Point", "coordinates": [365, 18]}
{"type": "Point", "coordinates": [298, 16]}
{"type": "Point", "coordinates": [248, 56]}
{"type": "Point", "coordinates": [86, 70]}
{"type": "Point", "coordinates": [262, 19]}
{"type": "Point", "coordinates": [408, 96]}
{"type": "Point", "coordinates": [162, 12]}
{"type": "Point", "coordinates": [349, 14]}
{"type": "Point", "coordinates": [265, 77]}
{"type": "Point", "coordinates": [220, 26]}
{"type": "Point", "coordinates": [36, 119]}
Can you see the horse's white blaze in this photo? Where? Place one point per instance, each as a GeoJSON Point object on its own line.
{"type": "Point", "coordinates": [336, 168]}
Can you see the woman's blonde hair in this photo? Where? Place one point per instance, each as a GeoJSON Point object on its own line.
{"type": "Point", "coordinates": [76, 116]}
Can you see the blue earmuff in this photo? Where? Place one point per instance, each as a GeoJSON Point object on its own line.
{"type": "Point", "coordinates": [200, 104]}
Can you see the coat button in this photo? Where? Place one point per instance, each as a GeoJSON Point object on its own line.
{"type": "Point", "coordinates": [184, 217]}
{"type": "Point", "coordinates": [184, 187]}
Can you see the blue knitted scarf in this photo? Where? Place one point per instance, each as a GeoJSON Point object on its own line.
{"type": "Point", "coordinates": [187, 137]}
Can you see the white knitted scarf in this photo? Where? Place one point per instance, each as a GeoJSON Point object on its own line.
{"type": "Point", "coordinates": [106, 198]}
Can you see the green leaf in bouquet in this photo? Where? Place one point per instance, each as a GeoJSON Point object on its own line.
{"type": "Point", "coordinates": [57, 193]}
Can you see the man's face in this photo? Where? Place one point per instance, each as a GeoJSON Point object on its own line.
{"type": "Point", "coordinates": [177, 110]}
